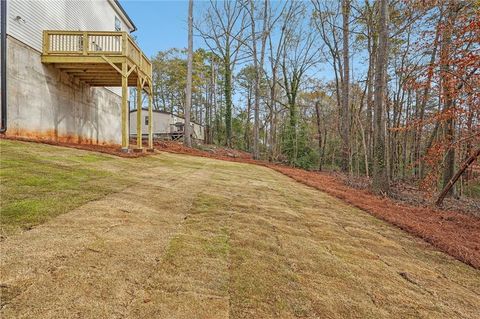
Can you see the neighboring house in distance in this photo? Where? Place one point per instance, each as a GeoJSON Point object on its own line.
{"type": "Point", "coordinates": [165, 125]}
{"type": "Point", "coordinates": [65, 62]}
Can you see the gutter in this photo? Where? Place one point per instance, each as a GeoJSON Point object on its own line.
{"type": "Point", "coordinates": [124, 13]}
{"type": "Point", "coordinates": [3, 64]}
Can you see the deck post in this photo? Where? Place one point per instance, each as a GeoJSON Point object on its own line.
{"type": "Point", "coordinates": [125, 112]}
{"type": "Point", "coordinates": [85, 43]}
{"type": "Point", "coordinates": [150, 119]}
{"type": "Point", "coordinates": [139, 112]}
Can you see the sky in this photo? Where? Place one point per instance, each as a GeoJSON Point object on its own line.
{"type": "Point", "coordinates": [161, 24]}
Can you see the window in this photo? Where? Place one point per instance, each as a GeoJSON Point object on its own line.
{"type": "Point", "coordinates": [118, 24]}
{"type": "Point", "coordinates": [146, 120]}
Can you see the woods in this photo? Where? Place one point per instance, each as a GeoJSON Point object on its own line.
{"type": "Point", "coordinates": [382, 89]}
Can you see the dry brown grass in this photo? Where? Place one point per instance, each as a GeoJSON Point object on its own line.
{"type": "Point", "coordinates": [230, 240]}
{"type": "Point", "coordinates": [450, 231]}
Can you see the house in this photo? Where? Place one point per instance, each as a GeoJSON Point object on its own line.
{"type": "Point", "coordinates": [164, 125]}
{"type": "Point", "coordinates": [66, 68]}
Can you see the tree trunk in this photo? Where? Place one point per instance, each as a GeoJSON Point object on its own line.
{"type": "Point", "coordinates": [319, 130]}
{"type": "Point", "coordinates": [426, 93]}
{"type": "Point", "coordinates": [208, 111]}
{"type": "Point", "coordinates": [345, 89]}
{"type": "Point", "coordinates": [271, 144]}
{"type": "Point", "coordinates": [213, 108]}
{"type": "Point", "coordinates": [364, 143]}
{"type": "Point", "coordinates": [256, 90]}
{"type": "Point", "coordinates": [447, 88]}
{"type": "Point", "coordinates": [247, 124]}
{"type": "Point", "coordinates": [454, 179]}
{"type": "Point", "coordinates": [228, 98]}
{"type": "Point", "coordinates": [188, 100]}
{"type": "Point", "coordinates": [293, 130]}
{"type": "Point", "coordinates": [380, 175]}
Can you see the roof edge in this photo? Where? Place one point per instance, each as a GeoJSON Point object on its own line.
{"type": "Point", "coordinates": [122, 10]}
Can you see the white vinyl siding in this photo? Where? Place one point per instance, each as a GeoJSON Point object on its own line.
{"type": "Point", "coordinates": [28, 18]}
{"type": "Point", "coordinates": [161, 124]}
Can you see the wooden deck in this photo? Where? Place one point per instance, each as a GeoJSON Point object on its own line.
{"type": "Point", "coordinates": [102, 58]}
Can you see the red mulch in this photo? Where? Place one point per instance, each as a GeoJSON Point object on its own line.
{"type": "Point", "coordinates": [452, 232]}
{"type": "Point", "coordinates": [106, 149]}
{"type": "Point", "coordinates": [213, 151]}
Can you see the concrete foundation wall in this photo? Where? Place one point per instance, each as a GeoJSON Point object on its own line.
{"type": "Point", "coordinates": [46, 103]}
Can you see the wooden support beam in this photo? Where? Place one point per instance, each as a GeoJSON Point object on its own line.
{"type": "Point", "coordinates": [102, 85]}
{"type": "Point", "coordinates": [101, 78]}
{"type": "Point", "coordinates": [150, 122]}
{"type": "Point", "coordinates": [107, 82]}
{"type": "Point", "coordinates": [80, 66]}
{"type": "Point", "coordinates": [106, 76]}
{"type": "Point", "coordinates": [85, 43]}
{"type": "Point", "coordinates": [96, 76]}
{"type": "Point", "coordinates": [125, 111]}
{"type": "Point", "coordinates": [90, 71]}
{"type": "Point", "coordinates": [131, 70]}
{"type": "Point", "coordinates": [113, 65]}
{"type": "Point", "coordinates": [46, 43]}
{"type": "Point", "coordinates": [145, 83]}
{"type": "Point", "coordinates": [78, 59]}
{"type": "Point", "coordinates": [139, 113]}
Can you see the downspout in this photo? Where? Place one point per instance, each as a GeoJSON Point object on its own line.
{"type": "Point", "coordinates": [3, 64]}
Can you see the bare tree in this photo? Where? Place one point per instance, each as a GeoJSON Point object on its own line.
{"type": "Point", "coordinates": [326, 19]}
{"type": "Point", "coordinates": [299, 54]}
{"type": "Point", "coordinates": [267, 21]}
{"type": "Point", "coordinates": [275, 49]}
{"type": "Point", "coordinates": [188, 102]}
{"type": "Point", "coordinates": [380, 174]}
{"type": "Point", "coordinates": [447, 91]}
{"type": "Point", "coordinates": [256, 91]}
{"type": "Point", "coordinates": [222, 30]}
{"type": "Point", "coordinates": [345, 110]}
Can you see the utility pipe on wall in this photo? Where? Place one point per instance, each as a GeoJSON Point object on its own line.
{"type": "Point", "coordinates": [3, 64]}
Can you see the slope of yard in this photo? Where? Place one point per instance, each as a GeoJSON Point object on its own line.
{"type": "Point", "coordinates": [449, 230]}
{"type": "Point", "coordinates": [56, 181]}
{"type": "Point", "coordinates": [174, 236]}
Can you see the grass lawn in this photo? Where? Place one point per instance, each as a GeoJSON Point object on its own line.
{"type": "Point", "coordinates": [38, 182]}
{"type": "Point", "coordinates": [175, 236]}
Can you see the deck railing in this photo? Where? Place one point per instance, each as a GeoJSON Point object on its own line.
{"type": "Point", "coordinates": [95, 43]}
